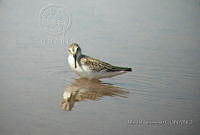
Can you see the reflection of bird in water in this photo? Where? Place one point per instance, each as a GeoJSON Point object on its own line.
{"type": "Point", "coordinates": [83, 89]}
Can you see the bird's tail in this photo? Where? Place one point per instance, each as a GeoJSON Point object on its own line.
{"type": "Point", "coordinates": [122, 69]}
{"type": "Point", "coordinates": [125, 69]}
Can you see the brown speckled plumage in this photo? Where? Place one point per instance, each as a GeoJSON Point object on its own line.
{"type": "Point", "coordinates": [100, 66]}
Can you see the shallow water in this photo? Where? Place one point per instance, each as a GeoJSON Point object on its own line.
{"type": "Point", "coordinates": [159, 40]}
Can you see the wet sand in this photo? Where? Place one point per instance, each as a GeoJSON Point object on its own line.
{"type": "Point", "coordinates": [39, 94]}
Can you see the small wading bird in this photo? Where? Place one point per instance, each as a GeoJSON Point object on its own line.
{"type": "Point", "coordinates": [91, 68]}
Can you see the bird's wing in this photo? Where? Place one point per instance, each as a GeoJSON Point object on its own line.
{"type": "Point", "coordinates": [99, 66]}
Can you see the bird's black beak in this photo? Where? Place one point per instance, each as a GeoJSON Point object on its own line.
{"type": "Point", "coordinates": [75, 60]}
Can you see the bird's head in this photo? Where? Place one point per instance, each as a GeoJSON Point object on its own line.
{"type": "Point", "coordinates": [74, 49]}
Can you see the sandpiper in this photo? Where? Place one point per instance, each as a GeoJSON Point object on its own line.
{"type": "Point", "coordinates": [91, 68]}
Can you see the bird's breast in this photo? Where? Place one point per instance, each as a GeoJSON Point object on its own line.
{"type": "Point", "coordinates": [71, 62]}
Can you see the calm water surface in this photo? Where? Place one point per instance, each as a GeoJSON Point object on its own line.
{"type": "Point", "coordinates": [39, 95]}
